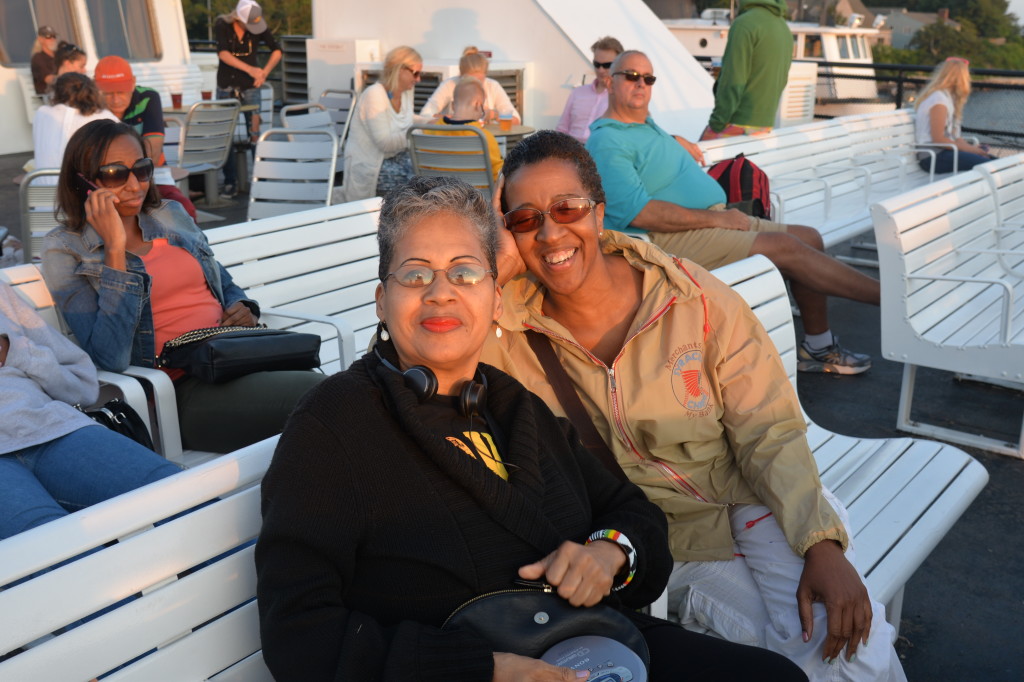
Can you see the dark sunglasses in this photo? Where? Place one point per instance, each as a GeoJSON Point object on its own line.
{"type": "Point", "coordinates": [415, 74]}
{"type": "Point", "coordinates": [603, 65]}
{"type": "Point", "coordinates": [460, 274]}
{"type": "Point", "coordinates": [633, 77]}
{"type": "Point", "coordinates": [113, 175]}
{"type": "Point", "coordinates": [523, 220]}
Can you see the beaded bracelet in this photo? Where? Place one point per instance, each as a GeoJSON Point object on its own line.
{"type": "Point", "coordinates": [623, 542]}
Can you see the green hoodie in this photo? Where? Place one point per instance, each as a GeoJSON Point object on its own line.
{"type": "Point", "coordinates": [755, 66]}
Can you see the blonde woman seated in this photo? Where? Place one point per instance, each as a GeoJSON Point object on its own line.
{"type": "Point", "coordinates": [376, 158]}
{"type": "Point", "coordinates": [472, 64]}
{"type": "Point", "coordinates": [939, 113]}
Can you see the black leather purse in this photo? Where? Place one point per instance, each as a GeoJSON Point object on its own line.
{"type": "Point", "coordinates": [528, 621]}
{"type": "Point", "coordinates": [218, 354]}
{"type": "Point", "coordinates": [119, 416]}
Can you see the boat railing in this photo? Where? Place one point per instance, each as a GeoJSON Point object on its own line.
{"type": "Point", "coordinates": [994, 113]}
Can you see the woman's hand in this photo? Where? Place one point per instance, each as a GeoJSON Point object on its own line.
{"type": "Point", "coordinates": [829, 578]}
{"type": "Point", "coordinates": [513, 668]}
{"type": "Point", "coordinates": [5, 344]}
{"type": "Point", "coordinates": [101, 213]}
{"type": "Point", "coordinates": [238, 315]}
{"type": "Point", "coordinates": [583, 574]}
{"type": "Point", "coordinates": [510, 263]}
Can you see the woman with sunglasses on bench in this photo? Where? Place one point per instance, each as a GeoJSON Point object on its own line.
{"type": "Point", "coordinates": [130, 271]}
{"type": "Point", "coordinates": [682, 383]}
{"type": "Point", "coordinates": [376, 158]}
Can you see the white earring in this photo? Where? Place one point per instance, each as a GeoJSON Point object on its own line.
{"type": "Point", "coordinates": [384, 336]}
{"type": "Point", "coordinates": [497, 332]}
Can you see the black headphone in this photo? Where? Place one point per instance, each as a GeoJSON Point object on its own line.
{"type": "Point", "coordinates": [421, 381]}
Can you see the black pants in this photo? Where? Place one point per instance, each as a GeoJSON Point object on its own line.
{"type": "Point", "coordinates": [678, 654]}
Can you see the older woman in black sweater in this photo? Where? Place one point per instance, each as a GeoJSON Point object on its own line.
{"type": "Point", "coordinates": [418, 479]}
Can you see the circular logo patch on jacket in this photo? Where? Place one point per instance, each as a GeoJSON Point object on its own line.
{"type": "Point", "coordinates": [688, 381]}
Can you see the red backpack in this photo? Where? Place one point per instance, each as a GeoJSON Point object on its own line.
{"type": "Point", "coordinates": [745, 185]}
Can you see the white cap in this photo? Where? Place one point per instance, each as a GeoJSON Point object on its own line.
{"type": "Point", "coordinates": [250, 14]}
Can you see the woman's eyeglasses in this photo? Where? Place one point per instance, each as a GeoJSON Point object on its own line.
{"type": "Point", "coordinates": [113, 175]}
{"type": "Point", "coordinates": [414, 72]}
{"type": "Point", "coordinates": [460, 274]}
{"type": "Point", "coordinates": [633, 77]}
{"type": "Point", "coordinates": [523, 220]}
{"type": "Point", "coordinates": [602, 65]}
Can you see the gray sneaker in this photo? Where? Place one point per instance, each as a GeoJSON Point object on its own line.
{"type": "Point", "coordinates": [835, 359]}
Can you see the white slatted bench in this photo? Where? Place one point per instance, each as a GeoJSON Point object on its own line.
{"type": "Point", "coordinates": [826, 174]}
{"type": "Point", "coordinates": [312, 271]}
{"type": "Point", "coordinates": [952, 281]}
{"type": "Point", "coordinates": [903, 495]}
{"type": "Point", "coordinates": [202, 625]}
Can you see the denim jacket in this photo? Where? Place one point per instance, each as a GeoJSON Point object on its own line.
{"type": "Point", "coordinates": [108, 310]}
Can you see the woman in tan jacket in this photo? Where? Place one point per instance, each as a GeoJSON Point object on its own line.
{"type": "Point", "coordinates": [686, 388]}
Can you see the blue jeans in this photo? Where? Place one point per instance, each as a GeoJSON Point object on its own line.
{"type": "Point", "coordinates": [250, 96]}
{"type": "Point", "coordinates": [45, 482]}
{"type": "Point", "coordinates": [944, 161]}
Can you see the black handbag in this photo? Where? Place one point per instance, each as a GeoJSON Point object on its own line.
{"type": "Point", "coordinates": [529, 621]}
{"type": "Point", "coordinates": [119, 416]}
{"type": "Point", "coordinates": [218, 354]}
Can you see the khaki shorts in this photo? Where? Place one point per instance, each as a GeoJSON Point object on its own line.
{"type": "Point", "coordinates": [714, 247]}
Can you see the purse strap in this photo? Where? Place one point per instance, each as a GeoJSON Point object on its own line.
{"type": "Point", "coordinates": [571, 403]}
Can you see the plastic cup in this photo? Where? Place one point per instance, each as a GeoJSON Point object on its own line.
{"type": "Point", "coordinates": [207, 94]}
{"type": "Point", "coordinates": [505, 122]}
{"type": "Point", "coordinates": [176, 100]}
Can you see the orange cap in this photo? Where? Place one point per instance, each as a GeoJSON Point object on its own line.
{"type": "Point", "coordinates": [114, 74]}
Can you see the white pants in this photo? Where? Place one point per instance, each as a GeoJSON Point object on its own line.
{"type": "Point", "coordinates": [752, 600]}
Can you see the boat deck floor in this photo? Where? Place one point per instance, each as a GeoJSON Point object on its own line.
{"type": "Point", "coordinates": [961, 610]}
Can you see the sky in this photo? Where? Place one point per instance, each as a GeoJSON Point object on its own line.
{"type": "Point", "coordinates": [1017, 7]}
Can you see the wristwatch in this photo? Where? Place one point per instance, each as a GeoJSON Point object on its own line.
{"type": "Point", "coordinates": [627, 546]}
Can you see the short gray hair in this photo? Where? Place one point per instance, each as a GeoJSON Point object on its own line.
{"type": "Point", "coordinates": [424, 197]}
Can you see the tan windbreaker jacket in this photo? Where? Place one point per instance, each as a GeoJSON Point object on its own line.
{"type": "Point", "coordinates": [696, 406]}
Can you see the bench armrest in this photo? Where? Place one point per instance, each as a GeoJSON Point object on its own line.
{"type": "Point", "coordinates": [167, 434]}
{"type": "Point", "coordinates": [1007, 317]}
{"type": "Point", "coordinates": [826, 189]}
{"type": "Point", "coordinates": [346, 335]}
{"type": "Point", "coordinates": [931, 146]}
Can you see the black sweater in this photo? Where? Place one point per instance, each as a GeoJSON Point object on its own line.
{"type": "Point", "coordinates": [374, 530]}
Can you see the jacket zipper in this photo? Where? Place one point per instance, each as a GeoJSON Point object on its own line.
{"type": "Point", "coordinates": [677, 480]}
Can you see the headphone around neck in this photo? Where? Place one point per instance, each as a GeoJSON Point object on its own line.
{"type": "Point", "coordinates": [422, 381]}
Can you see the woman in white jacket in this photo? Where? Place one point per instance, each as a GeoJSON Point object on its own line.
{"type": "Point", "coordinates": [76, 101]}
{"type": "Point", "coordinates": [376, 157]}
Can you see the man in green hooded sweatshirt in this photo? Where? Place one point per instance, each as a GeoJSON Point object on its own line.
{"type": "Point", "coordinates": [755, 68]}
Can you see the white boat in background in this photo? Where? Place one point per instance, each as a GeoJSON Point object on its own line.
{"type": "Point", "coordinates": [836, 94]}
{"type": "Point", "coordinates": [151, 35]}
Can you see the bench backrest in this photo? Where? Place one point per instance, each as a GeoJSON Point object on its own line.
{"type": "Point", "coordinates": [320, 262]}
{"type": "Point", "coordinates": [196, 614]}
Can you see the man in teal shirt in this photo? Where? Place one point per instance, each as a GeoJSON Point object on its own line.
{"type": "Point", "coordinates": [653, 182]}
{"type": "Point", "coordinates": [755, 69]}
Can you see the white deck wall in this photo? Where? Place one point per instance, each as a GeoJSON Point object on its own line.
{"type": "Point", "coordinates": [552, 37]}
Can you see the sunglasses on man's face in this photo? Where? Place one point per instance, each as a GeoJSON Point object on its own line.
{"type": "Point", "coordinates": [114, 175]}
{"type": "Point", "coordinates": [523, 220]}
{"type": "Point", "coordinates": [633, 77]}
{"type": "Point", "coordinates": [602, 65]}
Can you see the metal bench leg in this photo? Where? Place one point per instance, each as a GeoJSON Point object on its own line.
{"type": "Point", "coordinates": [894, 611]}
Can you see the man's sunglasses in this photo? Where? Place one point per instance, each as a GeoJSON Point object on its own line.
{"type": "Point", "coordinates": [603, 65]}
{"type": "Point", "coordinates": [523, 220]}
{"type": "Point", "coordinates": [415, 74]}
{"type": "Point", "coordinates": [460, 274]}
{"type": "Point", "coordinates": [114, 175]}
{"type": "Point", "coordinates": [633, 77]}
